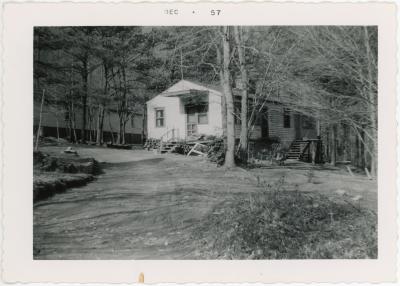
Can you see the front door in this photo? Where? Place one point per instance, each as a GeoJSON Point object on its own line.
{"type": "Point", "coordinates": [264, 125]}
{"type": "Point", "coordinates": [297, 126]}
{"type": "Point", "coordinates": [191, 125]}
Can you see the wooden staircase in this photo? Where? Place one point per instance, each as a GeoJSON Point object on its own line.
{"type": "Point", "coordinates": [297, 150]}
{"type": "Point", "coordinates": [302, 149]}
{"type": "Point", "coordinates": [168, 141]}
{"type": "Point", "coordinates": [168, 147]}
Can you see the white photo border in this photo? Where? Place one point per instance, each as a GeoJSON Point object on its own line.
{"type": "Point", "coordinates": [17, 113]}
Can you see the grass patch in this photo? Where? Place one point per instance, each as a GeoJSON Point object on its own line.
{"type": "Point", "coordinates": [46, 184]}
{"type": "Point", "coordinates": [287, 224]}
{"type": "Point", "coordinates": [56, 173]}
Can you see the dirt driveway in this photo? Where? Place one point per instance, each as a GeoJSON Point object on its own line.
{"type": "Point", "coordinates": [144, 206]}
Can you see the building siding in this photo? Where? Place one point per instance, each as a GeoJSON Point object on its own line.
{"type": "Point", "coordinates": [51, 115]}
{"type": "Point", "coordinates": [287, 135]}
{"type": "Point", "coordinates": [276, 127]}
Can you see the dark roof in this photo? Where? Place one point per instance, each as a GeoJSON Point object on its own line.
{"type": "Point", "coordinates": [215, 85]}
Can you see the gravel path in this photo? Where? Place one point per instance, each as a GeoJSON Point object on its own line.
{"type": "Point", "coordinates": [145, 206]}
{"type": "Point", "coordinates": [142, 207]}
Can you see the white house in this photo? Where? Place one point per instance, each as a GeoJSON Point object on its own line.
{"type": "Point", "coordinates": [188, 108]}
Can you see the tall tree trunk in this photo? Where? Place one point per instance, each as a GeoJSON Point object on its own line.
{"type": "Point", "coordinates": [362, 148]}
{"type": "Point", "coordinates": [333, 144]}
{"type": "Point", "coordinates": [243, 76]}
{"type": "Point", "coordinates": [40, 123]}
{"type": "Point", "coordinates": [144, 120]}
{"type": "Point", "coordinates": [356, 153]}
{"type": "Point", "coordinates": [111, 129]}
{"type": "Point", "coordinates": [123, 106]}
{"type": "Point", "coordinates": [223, 100]}
{"type": "Point", "coordinates": [120, 130]}
{"type": "Point", "coordinates": [58, 131]}
{"type": "Point", "coordinates": [124, 132]}
{"type": "Point", "coordinates": [101, 108]}
{"type": "Point", "coordinates": [73, 123]}
{"type": "Point", "coordinates": [372, 102]}
{"type": "Point", "coordinates": [327, 144]}
{"type": "Point", "coordinates": [230, 123]}
{"type": "Point", "coordinates": [90, 121]}
{"type": "Point", "coordinates": [70, 107]}
{"type": "Point", "coordinates": [69, 125]}
{"type": "Point", "coordinates": [100, 123]}
{"type": "Point", "coordinates": [85, 76]}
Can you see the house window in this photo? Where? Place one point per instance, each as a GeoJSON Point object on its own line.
{"type": "Point", "coordinates": [203, 118]}
{"type": "Point", "coordinates": [191, 129]}
{"type": "Point", "coordinates": [160, 117]}
{"type": "Point", "coordinates": [202, 114]}
{"type": "Point", "coordinates": [286, 118]}
{"type": "Point", "coordinates": [260, 117]}
{"type": "Point", "coordinates": [133, 121]}
{"type": "Point", "coordinates": [197, 114]}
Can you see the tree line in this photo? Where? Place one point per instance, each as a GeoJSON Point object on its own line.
{"type": "Point", "coordinates": [327, 72]}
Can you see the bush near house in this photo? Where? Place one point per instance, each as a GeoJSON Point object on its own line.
{"type": "Point", "coordinates": [216, 153]}
{"type": "Point", "coordinates": [65, 163]}
{"type": "Point", "coordinates": [46, 184]}
{"type": "Point", "coordinates": [281, 224]}
{"type": "Point", "coordinates": [260, 149]}
{"type": "Point", "coordinates": [54, 174]}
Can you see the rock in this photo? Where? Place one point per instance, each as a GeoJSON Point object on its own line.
{"type": "Point", "coordinates": [69, 150]}
{"type": "Point", "coordinates": [340, 192]}
{"type": "Point", "coordinates": [356, 198]}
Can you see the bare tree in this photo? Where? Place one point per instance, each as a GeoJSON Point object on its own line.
{"type": "Point", "coordinates": [40, 123]}
{"type": "Point", "coordinates": [226, 84]}
{"type": "Point", "coordinates": [238, 32]}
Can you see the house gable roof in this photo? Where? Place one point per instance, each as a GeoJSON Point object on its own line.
{"type": "Point", "coordinates": [186, 85]}
{"type": "Point", "coordinates": [183, 85]}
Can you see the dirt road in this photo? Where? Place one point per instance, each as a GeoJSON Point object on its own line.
{"type": "Point", "coordinates": [142, 207]}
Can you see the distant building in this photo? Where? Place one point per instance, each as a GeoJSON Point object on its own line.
{"type": "Point", "coordinates": [55, 123]}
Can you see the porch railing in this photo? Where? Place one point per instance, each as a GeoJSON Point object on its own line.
{"type": "Point", "coordinates": [168, 136]}
{"type": "Point", "coordinates": [312, 151]}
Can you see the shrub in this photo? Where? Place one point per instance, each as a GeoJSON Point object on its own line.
{"type": "Point", "coordinates": [280, 224]}
{"type": "Point", "coordinates": [66, 164]}
{"type": "Point", "coordinates": [216, 152]}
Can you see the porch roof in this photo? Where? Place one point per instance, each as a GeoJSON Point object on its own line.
{"type": "Point", "coordinates": [190, 96]}
{"type": "Point", "coordinates": [186, 93]}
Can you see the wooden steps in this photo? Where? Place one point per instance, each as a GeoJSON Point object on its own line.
{"type": "Point", "coordinates": [168, 147]}
{"type": "Point", "coordinates": [301, 150]}
{"type": "Point", "coordinates": [296, 150]}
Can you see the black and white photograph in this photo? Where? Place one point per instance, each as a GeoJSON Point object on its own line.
{"type": "Point", "coordinates": [205, 142]}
